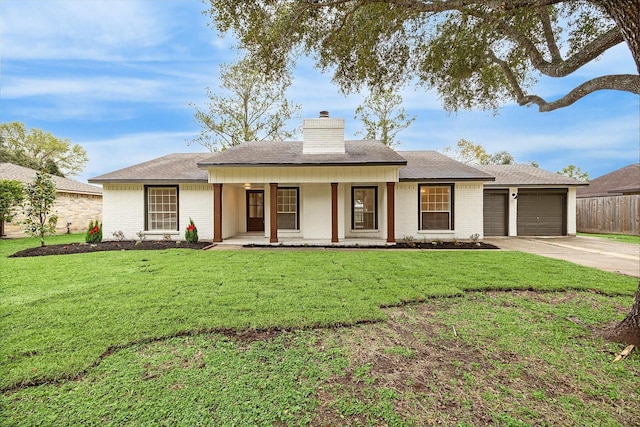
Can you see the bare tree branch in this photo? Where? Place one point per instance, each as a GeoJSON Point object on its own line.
{"type": "Point", "coordinates": [622, 82]}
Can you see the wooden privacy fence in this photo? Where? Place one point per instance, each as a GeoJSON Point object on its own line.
{"type": "Point", "coordinates": [611, 214]}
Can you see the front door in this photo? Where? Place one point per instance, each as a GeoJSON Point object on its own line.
{"type": "Point", "coordinates": [255, 210]}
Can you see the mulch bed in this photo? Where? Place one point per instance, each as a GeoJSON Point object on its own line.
{"type": "Point", "coordinates": [125, 245]}
{"type": "Point", "coordinates": [398, 245]}
{"type": "Point", "coordinates": [130, 245]}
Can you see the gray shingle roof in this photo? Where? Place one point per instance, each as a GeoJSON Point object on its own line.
{"type": "Point", "coordinates": [65, 185]}
{"type": "Point", "coordinates": [526, 175]}
{"type": "Point", "coordinates": [623, 180]}
{"type": "Point", "coordinates": [180, 167]}
{"type": "Point", "coordinates": [431, 165]}
{"type": "Point", "coordinates": [276, 153]}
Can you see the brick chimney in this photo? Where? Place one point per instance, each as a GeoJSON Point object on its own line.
{"type": "Point", "coordinates": [323, 135]}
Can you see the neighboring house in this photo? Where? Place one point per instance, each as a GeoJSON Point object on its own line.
{"type": "Point", "coordinates": [76, 203]}
{"type": "Point", "coordinates": [319, 190]}
{"type": "Point", "coordinates": [623, 181]}
{"type": "Point", "coordinates": [611, 203]}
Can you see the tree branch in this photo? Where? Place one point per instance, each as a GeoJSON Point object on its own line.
{"type": "Point", "coordinates": [548, 35]}
{"type": "Point", "coordinates": [622, 82]}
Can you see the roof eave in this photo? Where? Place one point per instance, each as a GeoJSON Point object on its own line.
{"type": "Point", "coordinates": [447, 179]}
{"type": "Point", "coordinates": [521, 185]}
{"type": "Point", "coordinates": [306, 164]}
{"type": "Point", "coordinates": [147, 181]}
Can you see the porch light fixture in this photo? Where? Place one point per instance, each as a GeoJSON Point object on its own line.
{"type": "Point", "coordinates": [247, 186]}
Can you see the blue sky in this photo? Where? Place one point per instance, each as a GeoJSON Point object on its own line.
{"type": "Point", "coordinates": [117, 77]}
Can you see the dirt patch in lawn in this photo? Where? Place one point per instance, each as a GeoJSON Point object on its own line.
{"type": "Point", "coordinates": [125, 245]}
{"type": "Point", "coordinates": [416, 366]}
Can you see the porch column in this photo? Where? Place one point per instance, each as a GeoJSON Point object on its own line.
{"type": "Point", "coordinates": [334, 212]}
{"type": "Point", "coordinates": [391, 212]}
{"type": "Point", "coordinates": [273, 212]}
{"type": "Point", "coordinates": [217, 213]}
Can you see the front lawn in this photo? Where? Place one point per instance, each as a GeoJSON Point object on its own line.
{"type": "Point", "coordinates": [145, 336]}
{"type": "Point", "coordinates": [626, 238]}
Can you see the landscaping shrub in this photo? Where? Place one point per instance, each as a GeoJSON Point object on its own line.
{"type": "Point", "coordinates": [94, 232]}
{"type": "Point", "coordinates": [191, 233]}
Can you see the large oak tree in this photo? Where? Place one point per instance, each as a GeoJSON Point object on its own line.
{"type": "Point", "coordinates": [476, 54]}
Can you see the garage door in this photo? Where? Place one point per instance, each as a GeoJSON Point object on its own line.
{"type": "Point", "coordinates": [495, 213]}
{"type": "Point", "coordinates": [542, 213]}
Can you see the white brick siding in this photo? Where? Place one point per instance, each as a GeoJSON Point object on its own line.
{"type": "Point", "coordinates": [123, 210]}
{"type": "Point", "coordinates": [468, 218]}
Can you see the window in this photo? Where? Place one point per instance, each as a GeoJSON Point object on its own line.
{"type": "Point", "coordinates": [364, 202]}
{"type": "Point", "coordinates": [161, 208]}
{"type": "Point", "coordinates": [436, 211]}
{"type": "Point", "coordinates": [288, 209]}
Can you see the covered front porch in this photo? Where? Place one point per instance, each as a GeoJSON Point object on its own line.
{"type": "Point", "coordinates": [309, 214]}
{"type": "Point", "coordinates": [258, 239]}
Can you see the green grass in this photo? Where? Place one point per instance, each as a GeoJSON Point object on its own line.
{"type": "Point", "coordinates": [626, 238]}
{"type": "Point", "coordinates": [137, 334]}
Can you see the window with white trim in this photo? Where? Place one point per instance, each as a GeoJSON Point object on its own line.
{"type": "Point", "coordinates": [364, 203]}
{"type": "Point", "coordinates": [287, 207]}
{"type": "Point", "coordinates": [161, 206]}
{"type": "Point", "coordinates": [436, 208]}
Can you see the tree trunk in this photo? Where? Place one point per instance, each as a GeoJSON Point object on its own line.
{"type": "Point", "coordinates": [628, 331]}
{"type": "Point", "coordinates": [626, 13]}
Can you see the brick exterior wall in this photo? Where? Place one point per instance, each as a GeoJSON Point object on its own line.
{"type": "Point", "coordinates": [124, 211]}
{"type": "Point", "coordinates": [74, 208]}
{"type": "Point", "coordinates": [468, 220]}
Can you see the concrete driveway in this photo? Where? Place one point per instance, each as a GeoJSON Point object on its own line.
{"type": "Point", "coordinates": [616, 257]}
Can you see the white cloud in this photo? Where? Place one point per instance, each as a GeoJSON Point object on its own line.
{"type": "Point", "coordinates": [108, 155]}
{"type": "Point", "coordinates": [98, 30]}
{"type": "Point", "coordinates": [100, 88]}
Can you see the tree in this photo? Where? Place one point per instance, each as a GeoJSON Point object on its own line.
{"type": "Point", "coordinates": [11, 195]}
{"type": "Point", "coordinates": [476, 54]}
{"type": "Point", "coordinates": [40, 197]}
{"type": "Point", "coordinates": [40, 150]}
{"type": "Point", "coordinates": [253, 108]}
{"type": "Point", "coordinates": [628, 330]}
{"type": "Point", "coordinates": [500, 158]}
{"type": "Point", "coordinates": [383, 117]}
{"type": "Point", "coordinates": [470, 153]}
{"type": "Point", "coordinates": [572, 171]}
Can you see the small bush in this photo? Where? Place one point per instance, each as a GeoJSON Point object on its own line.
{"type": "Point", "coordinates": [118, 235]}
{"type": "Point", "coordinates": [141, 236]}
{"type": "Point", "coordinates": [94, 232]}
{"type": "Point", "coordinates": [191, 233]}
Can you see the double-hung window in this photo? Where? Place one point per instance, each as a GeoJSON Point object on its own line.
{"type": "Point", "coordinates": [364, 212]}
{"type": "Point", "coordinates": [161, 208]}
{"type": "Point", "coordinates": [288, 201]}
{"type": "Point", "coordinates": [436, 207]}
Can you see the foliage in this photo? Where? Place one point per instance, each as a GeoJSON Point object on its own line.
{"type": "Point", "coordinates": [94, 232]}
{"type": "Point", "coordinates": [572, 171]}
{"type": "Point", "coordinates": [249, 107]}
{"type": "Point", "coordinates": [470, 153]}
{"type": "Point", "coordinates": [11, 196]}
{"type": "Point", "coordinates": [40, 150]}
{"type": "Point", "coordinates": [191, 233]}
{"type": "Point", "coordinates": [476, 54]}
{"type": "Point", "coordinates": [40, 198]}
{"type": "Point", "coordinates": [383, 117]}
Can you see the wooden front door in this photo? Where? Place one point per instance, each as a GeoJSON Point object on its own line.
{"type": "Point", "coordinates": [255, 210]}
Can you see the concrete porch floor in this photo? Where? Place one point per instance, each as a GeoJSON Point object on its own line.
{"type": "Point", "coordinates": [258, 239]}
